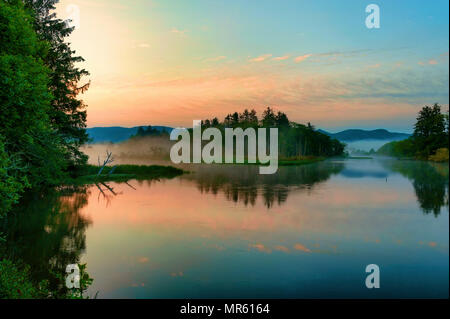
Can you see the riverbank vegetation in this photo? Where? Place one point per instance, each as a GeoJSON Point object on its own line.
{"type": "Point", "coordinates": [90, 173]}
{"type": "Point", "coordinates": [430, 140]}
{"type": "Point", "coordinates": [43, 121]}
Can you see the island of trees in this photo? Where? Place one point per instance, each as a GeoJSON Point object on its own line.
{"type": "Point", "coordinates": [297, 143]}
{"type": "Point", "coordinates": [430, 140]}
{"type": "Point", "coordinates": [295, 140]}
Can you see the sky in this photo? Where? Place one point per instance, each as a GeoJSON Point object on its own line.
{"type": "Point", "coordinates": [171, 62]}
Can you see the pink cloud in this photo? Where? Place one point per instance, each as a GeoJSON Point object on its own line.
{"type": "Point", "coordinates": [281, 58]}
{"type": "Point", "coordinates": [260, 247]}
{"type": "Point", "coordinates": [302, 58]}
{"type": "Point", "coordinates": [261, 58]}
{"type": "Point", "coordinates": [430, 62]}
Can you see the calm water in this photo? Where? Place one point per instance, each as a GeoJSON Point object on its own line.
{"type": "Point", "coordinates": [225, 231]}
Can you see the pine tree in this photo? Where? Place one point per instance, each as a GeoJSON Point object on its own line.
{"type": "Point", "coordinates": [429, 131]}
{"type": "Point", "coordinates": [30, 152]}
{"type": "Point", "coordinates": [68, 114]}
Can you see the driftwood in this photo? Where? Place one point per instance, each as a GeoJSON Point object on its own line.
{"type": "Point", "coordinates": [109, 159]}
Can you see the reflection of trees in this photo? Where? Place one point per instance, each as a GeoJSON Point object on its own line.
{"type": "Point", "coordinates": [243, 183]}
{"type": "Point", "coordinates": [430, 181]}
{"type": "Point", "coordinates": [47, 232]}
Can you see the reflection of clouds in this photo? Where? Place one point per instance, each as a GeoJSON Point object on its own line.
{"type": "Point", "coordinates": [302, 248]}
{"type": "Point", "coordinates": [437, 246]}
{"type": "Point", "coordinates": [260, 247]}
{"type": "Point", "coordinates": [331, 249]}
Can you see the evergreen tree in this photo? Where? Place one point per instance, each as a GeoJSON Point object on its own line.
{"type": "Point", "coordinates": [268, 118]}
{"type": "Point", "coordinates": [30, 152]}
{"type": "Point", "coordinates": [429, 131]}
{"type": "Point", "coordinates": [215, 121]}
{"type": "Point", "coordinates": [281, 120]}
{"type": "Point", "coordinates": [68, 114]}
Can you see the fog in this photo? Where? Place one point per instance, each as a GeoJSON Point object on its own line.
{"type": "Point", "coordinates": [142, 151]}
{"type": "Point", "coordinates": [366, 145]}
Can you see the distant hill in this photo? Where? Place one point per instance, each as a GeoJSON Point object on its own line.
{"type": "Point", "coordinates": [115, 134]}
{"type": "Point", "coordinates": [352, 135]}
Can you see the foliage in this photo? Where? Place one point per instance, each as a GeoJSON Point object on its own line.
{"type": "Point", "coordinates": [30, 153]}
{"type": "Point", "coordinates": [53, 222]}
{"type": "Point", "coordinates": [430, 131]}
{"type": "Point", "coordinates": [149, 131]}
{"type": "Point", "coordinates": [15, 283]}
{"type": "Point", "coordinates": [430, 182]}
{"type": "Point", "coordinates": [294, 139]}
{"type": "Point", "coordinates": [10, 187]}
{"type": "Point", "coordinates": [430, 135]}
{"type": "Point", "coordinates": [124, 173]}
{"type": "Point", "coordinates": [67, 114]}
{"type": "Point", "coordinates": [403, 148]}
{"type": "Point", "coordinates": [441, 155]}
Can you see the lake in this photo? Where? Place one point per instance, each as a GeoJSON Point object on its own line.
{"type": "Point", "coordinates": [224, 231]}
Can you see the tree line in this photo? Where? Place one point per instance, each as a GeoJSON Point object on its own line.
{"type": "Point", "coordinates": [42, 119]}
{"type": "Point", "coordinates": [430, 140]}
{"type": "Point", "coordinates": [294, 139]}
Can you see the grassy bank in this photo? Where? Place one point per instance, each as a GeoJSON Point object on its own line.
{"type": "Point", "coordinates": [120, 173]}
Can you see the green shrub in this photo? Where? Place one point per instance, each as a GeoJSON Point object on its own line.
{"type": "Point", "coordinates": [15, 283]}
{"type": "Point", "coordinates": [441, 155]}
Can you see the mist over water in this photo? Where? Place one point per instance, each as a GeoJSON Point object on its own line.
{"type": "Point", "coordinates": [141, 151]}
{"type": "Point", "coordinates": [367, 145]}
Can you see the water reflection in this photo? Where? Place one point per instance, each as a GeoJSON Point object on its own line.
{"type": "Point", "coordinates": [430, 181]}
{"type": "Point", "coordinates": [47, 232]}
{"type": "Point", "coordinates": [226, 231]}
{"type": "Point", "coordinates": [243, 183]}
{"type": "Point", "coordinates": [240, 183]}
